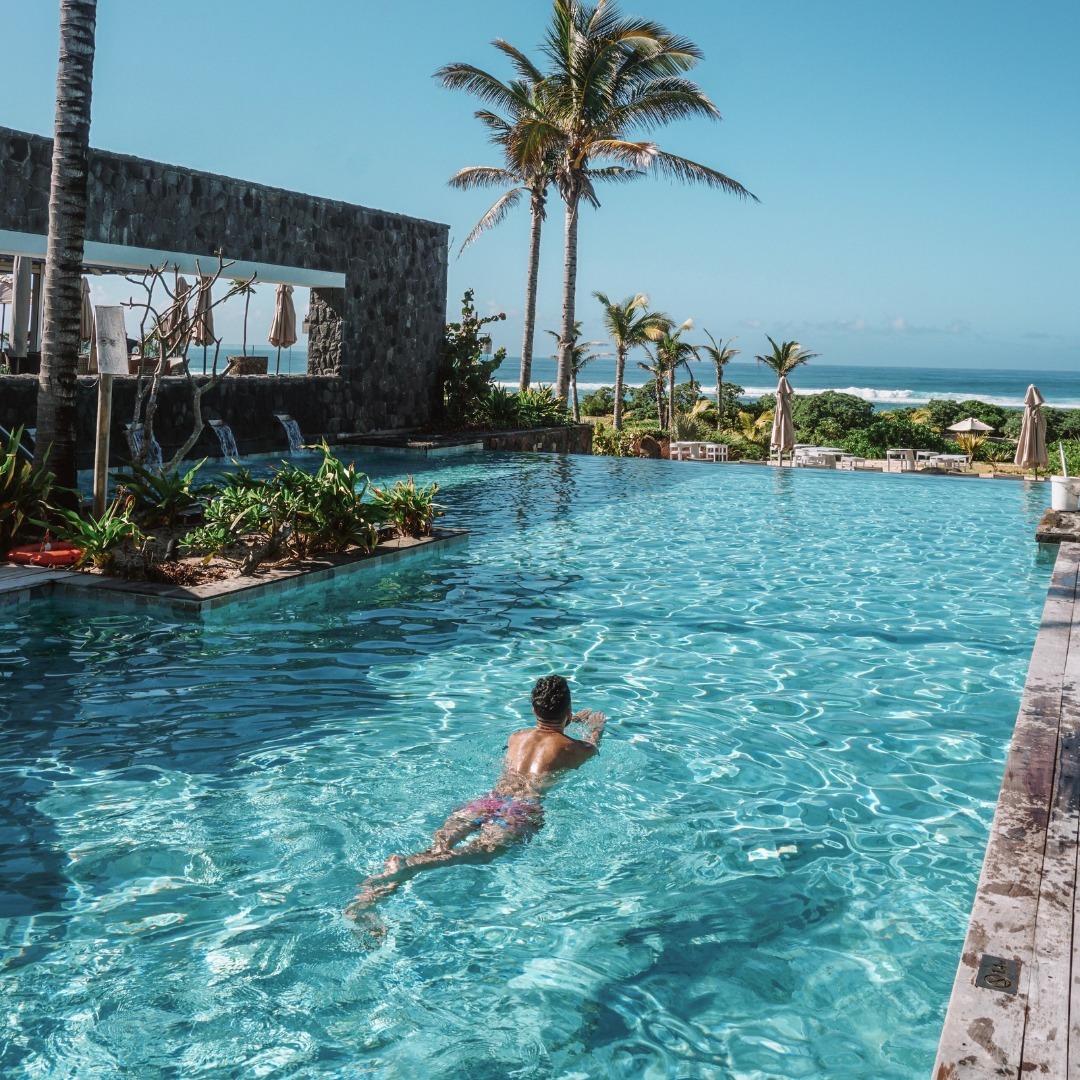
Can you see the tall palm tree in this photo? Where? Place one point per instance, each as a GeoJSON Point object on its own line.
{"type": "Point", "coordinates": [785, 357]}
{"type": "Point", "coordinates": [527, 169]}
{"type": "Point", "coordinates": [675, 353]}
{"type": "Point", "coordinates": [611, 75]}
{"type": "Point", "coordinates": [629, 324]}
{"type": "Point", "coordinates": [57, 382]}
{"type": "Point", "coordinates": [579, 358]}
{"type": "Point", "coordinates": [721, 355]}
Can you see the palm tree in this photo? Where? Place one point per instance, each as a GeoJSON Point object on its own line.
{"type": "Point", "coordinates": [579, 358]}
{"type": "Point", "coordinates": [57, 382]}
{"type": "Point", "coordinates": [785, 357]}
{"type": "Point", "coordinates": [676, 353]}
{"type": "Point", "coordinates": [527, 169]}
{"type": "Point", "coordinates": [721, 355]}
{"type": "Point", "coordinates": [611, 75]}
{"type": "Point", "coordinates": [629, 324]}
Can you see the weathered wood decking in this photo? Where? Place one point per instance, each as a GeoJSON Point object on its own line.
{"type": "Point", "coordinates": [1015, 1006]}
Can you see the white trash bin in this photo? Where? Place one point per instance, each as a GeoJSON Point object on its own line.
{"type": "Point", "coordinates": [1064, 492]}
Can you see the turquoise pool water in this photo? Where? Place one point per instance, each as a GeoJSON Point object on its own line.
{"type": "Point", "coordinates": [812, 680]}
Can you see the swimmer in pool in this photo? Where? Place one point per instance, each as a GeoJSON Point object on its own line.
{"type": "Point", "coordinates": [511, 813]}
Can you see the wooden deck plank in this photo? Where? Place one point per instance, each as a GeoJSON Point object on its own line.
{"type": "Point", "coordinates": [984, 1029]}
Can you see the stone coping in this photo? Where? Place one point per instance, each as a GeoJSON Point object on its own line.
{"type": "Point", "coordinates": [1058, 527]}
{"type": "Point", "coordinates": [1015, 1004]}
{"type": "Point", "coordinates": [19, 584]}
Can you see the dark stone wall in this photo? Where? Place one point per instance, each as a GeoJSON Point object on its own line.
{"type": "Point", "coordinates": [387, 347]}
{"type": "Point", "coordinates": [246, 403]}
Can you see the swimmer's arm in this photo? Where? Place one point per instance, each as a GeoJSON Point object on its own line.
{"type": "Point", "coordinates": [595, 722]}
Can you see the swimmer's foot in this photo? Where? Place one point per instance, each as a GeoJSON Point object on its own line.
{"type": "Point", "coordinates": [369, 928]}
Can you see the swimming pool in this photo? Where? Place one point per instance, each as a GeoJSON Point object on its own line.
{"type": "Point", "coordinates": [812, 680]}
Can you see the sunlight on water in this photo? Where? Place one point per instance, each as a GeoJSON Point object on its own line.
{"type": "Point", "coordinates": [812, 681]}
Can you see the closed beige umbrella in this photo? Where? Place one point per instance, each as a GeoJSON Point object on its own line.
{"type": "Point", "coordinates": [175, 323]}
{"type": "Point", "coordinates": [86, 314]}
{"type": "Point", "coordinates": [203, 319]}
{"type": "Point", "coordinates": [783, 429]}
{"type": "Point", "coordinates": [1031, 449]}
{"type": "Point", "coordinates": [283, 328]}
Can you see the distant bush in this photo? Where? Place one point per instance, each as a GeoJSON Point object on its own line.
{"type": "Point", "coordinates": [599, 402]}
{"type": "Point", "coordinates": [607, 442]}
{"type": "Point", "coordinates": [887, 431]}
{"type": "Point", "coordinates": [825, 418]}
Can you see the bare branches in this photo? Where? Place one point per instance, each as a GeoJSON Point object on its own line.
{"type": "Point", "coordinates": [166, 327]}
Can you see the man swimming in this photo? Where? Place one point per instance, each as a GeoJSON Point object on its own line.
{"type": "Point", "coordinates": [511, 813]}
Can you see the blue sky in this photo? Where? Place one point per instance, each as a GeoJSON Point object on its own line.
{"type": "Point", "coordinates": [916, 163]}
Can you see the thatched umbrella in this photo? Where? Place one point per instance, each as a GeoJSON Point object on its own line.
{"type": "Point", "coordinates": [283, 328]}
{"type": "Point", "coordinates": [783, 429]}
{"type": "Point", "coordinates": [1031, 449]}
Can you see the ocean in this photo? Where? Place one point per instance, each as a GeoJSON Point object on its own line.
{"type": "Point", "coordinates": [886, 387]}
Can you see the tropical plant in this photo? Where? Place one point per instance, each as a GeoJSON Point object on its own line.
{"type": "Point", "coordinates": [579, 357]}
{"type": "Point", "coordinates": [629, 324]}
{"type": "Point", "coordinates": [608, 442]}
{"type": "Point", "coordinates": [24, 490]}
{"type": "Point", "coordinates": [608, 76]}
{"type": "Point", "coordinates": [409, 509]}
{"type": "Point", "coordinates": [56, 418]}
{"type": "Point", "coordinates": [599, 402]}
{"type": "Point", "coordinates": [692, 425]}
{"type": "Point", "coordinates": [159, 498]}
{"type": "Point", "coordinates": [827, 417]}
{"type": "Point", "coordinates": [721, 355]}
{"type": "Point", "coordinates": [539, 407]}
{"type": "Point", "coordinates": [785, 357]}
{"type": "Point", "coordinates": [245, 288]}
{"type": "Point", "coordinates": [670, 352]}
{"type": "Point", "coordinates": [970, 443]}
{"type": "Point", "coordinates": [754, 429]}
{"type": "Point", "coordinates": [100, 537]}
{"type": "Point", "coordinates": [466, 375]}
{"type": "Point", "coordinates": [527, 169]}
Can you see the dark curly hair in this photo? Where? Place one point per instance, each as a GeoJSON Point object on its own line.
{"type": "Point", "coordinates": [551, 697]}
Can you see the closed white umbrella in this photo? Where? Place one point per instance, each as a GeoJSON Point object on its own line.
{"type": "Point", "coordinates": [203, 318]}
{"type": "Point", "coordinates": [283, 328]}
{"type": "Point", "coordinates": [20, 306]}
{"type": "Point", "coordinates": [783, 429]}
{"type": "Point", "coordinates": [5, 299]}
{"type": "Point", "coordinates": [1031, 449]}
{"type": "Point", "coordinates": [86, 314]}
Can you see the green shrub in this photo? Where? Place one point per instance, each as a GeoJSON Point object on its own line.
{"type": "Point", "coordinates": [599, 402]}
{"type": "Point", "coordinates": [607, 442]}
{"type": "Point", "coordinates": [160, 498]}
{"type": "Point", "coordinates": [100, 537]}
{"type": "Point", "coordinates": [824, 418]}
{"type": "Point", "coordinates": [24, 491]}
{"type": "Point", "coordinates": [466, 375]}
{"type": "Point", "coordinates": [409, 509]}
{"type": "Point", "coordinates": [539, 407]}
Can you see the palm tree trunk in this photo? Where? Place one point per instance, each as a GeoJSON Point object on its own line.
{"type": "Point", "coordinates": [719, 399]}
{"type": "Point", "coordinates": [659, 385]}
{"type": "Point", "coordinates": [671, 397]}
{"type": "Point", "coordinates": [537, 208]}
{"type": "Point", "coordinates": [620, 364]}
{"type": "Point", "coordinates": [58, 382]}
{"type": "Point", "coordinates": [573, 397]}
{"type": "Point", "coordinates": [566, 338]}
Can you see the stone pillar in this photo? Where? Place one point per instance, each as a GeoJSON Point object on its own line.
{"type": "Point", "coordinates": [324, 320]}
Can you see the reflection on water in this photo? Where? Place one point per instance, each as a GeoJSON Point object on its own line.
{"type": "Point", "coordinates": [811, 678]}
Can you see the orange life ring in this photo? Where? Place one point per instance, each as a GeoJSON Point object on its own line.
{"type": "Point", "coordinates": [50, 553]}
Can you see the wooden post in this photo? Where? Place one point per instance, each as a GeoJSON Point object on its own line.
{"type": "Point", "coordinates": [111, 341]}
{"type": "Point", "coordinates": [101, 443]}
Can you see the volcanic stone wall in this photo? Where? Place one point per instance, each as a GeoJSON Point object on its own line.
{"type": "Point", "coordinates": [382, 334]}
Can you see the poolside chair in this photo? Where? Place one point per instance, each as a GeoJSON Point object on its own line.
{"type": "Point", "coordinates": [901, 459]}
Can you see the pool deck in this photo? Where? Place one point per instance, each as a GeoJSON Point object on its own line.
{"type": "Point", "coordinates": [20, 584]}
{"type": "Point", "coordinates": [1015, 1005]}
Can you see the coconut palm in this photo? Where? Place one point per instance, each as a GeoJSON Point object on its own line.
{"type": "Point", "coordinates": [527, 169]}
{"type": "Point", "coordinates": [57, 381]}
{"type": "Point", "coordinates": [785, 357]}
{"type": "Point", "coordinates": [674, 353]}
{"type": "Point", "coordinates": [609, 76]}
{"type": "Point", "coordinates": [721, 355]}
{"type": "Point", "coordinates": [578, 359]}
{"type": "Point", "coordinates": [629, 324]}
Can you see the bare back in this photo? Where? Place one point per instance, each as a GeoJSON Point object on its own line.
{"type": "Point", "coordinates": [533, 752]}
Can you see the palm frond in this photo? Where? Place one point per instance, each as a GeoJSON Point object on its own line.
{"type": "Point", "coordinates": [691, 172]}
{"type": "Point", "coordinates": [499, 209]}
{"type": "Point", "coordinates": [525, 68]}
{"type": "Point", "coordinates": [477, 176]}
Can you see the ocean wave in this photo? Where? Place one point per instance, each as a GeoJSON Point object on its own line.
{"type": "Point", "coordinates": [880, 397]}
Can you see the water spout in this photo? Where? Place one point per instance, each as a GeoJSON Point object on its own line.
{"type": "Point", "coordinates": [225, 438]}
{"type": "Point", "coordinates": [153, 459]}
{"type": "Point", "coordinates": [292, 430]}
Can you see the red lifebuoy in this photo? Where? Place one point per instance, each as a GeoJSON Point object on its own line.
{"type": "Point", "coordinates": [50, 553]}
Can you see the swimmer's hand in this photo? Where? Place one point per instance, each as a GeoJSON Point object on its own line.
{"type": "Point", "coordinates": [595, 722]}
